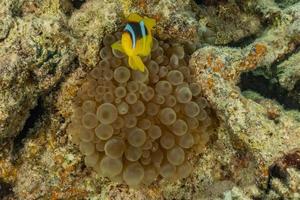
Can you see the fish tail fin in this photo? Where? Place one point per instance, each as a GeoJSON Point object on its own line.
{"type": "Point", "coordinates": [136, 63]}
{"type": "Point", "coordinates": [134, 17]}
{"type": "Point", "coordinates": [118, 46]}
{"type": "Point", "coordinates": [149, 23]}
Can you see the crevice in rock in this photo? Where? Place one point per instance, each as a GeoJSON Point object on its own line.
{"type": "Point", "coordinates": [265, 82]}
{"type": "Point", "coordinates": [243, 42]}
{"type": "Point", "coordinates": [209, 2]}
{"type": "Point", "coordinates": [282, 59]}
{"type": "Point", "coordinates": [77, 3]}
{"type": "Point", "coordinates": [285, 4]}
{"type": "Point", "coordinates": [6, 35]}
{"type": "Point", "coordinates": [270, 89]}
{"type": "Point", "coordinates": [279, 168]}
{"type": "Point", "coordinates": [250, 39]}
{"type": "Point", "coordinates": [35, 115]}
{"type": "Point", "coordinates": [6, 189]}
{"type": "Point", "coordinates": [42, 108]}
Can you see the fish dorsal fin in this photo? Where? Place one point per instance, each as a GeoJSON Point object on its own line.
{"type": "Point", "coordinates": [133, 17]}
{"type": "Point", "coordinates": [149, 23]}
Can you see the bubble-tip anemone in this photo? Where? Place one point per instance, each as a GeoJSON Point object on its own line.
{"type": "Point", "coordinates": [135, 127]}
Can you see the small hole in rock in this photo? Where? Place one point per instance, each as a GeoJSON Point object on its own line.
{"type": "Point", "coordinates": [5, 189]}
{"type": "Point", "coordinates": [77, 3]}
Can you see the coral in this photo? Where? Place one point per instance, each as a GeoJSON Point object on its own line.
{"type": "Point", "coordinates": [6, 18]}
{"type": "Point", "coordinates": [218, 26]}
{"type": "Point", "coordinates": [36, 53]}
{"type": "Point", "coordinates": [41, 59]}
{"type": "Point", "coordinates": [89, 24]}
{"type": "Point", "coordinates": [218, 71]}
{"type": "Point", "coordinates": [134, 126]}
{"type": "Point", "coordinates": [288, 72]}
{"type": "Point", "coordinates": [83, 20]}
{"type": "Point", "coordinates": [286, 3]}
{"type": "Point", "coordinates": [49, 47]}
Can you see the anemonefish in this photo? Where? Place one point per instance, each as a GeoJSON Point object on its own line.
{"type": "Point", "coordinates": [136, 40]}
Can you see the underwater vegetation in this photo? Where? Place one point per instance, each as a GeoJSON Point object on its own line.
{"type": "Point", "coordinates": [214, 115]}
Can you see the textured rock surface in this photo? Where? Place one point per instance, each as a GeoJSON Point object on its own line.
{"type": "Point", "coordinates": [218, 26]}
{"type": "Point", "coordinates": [48, 47]}
{"type": "Point", "coordinates": [35, 53]}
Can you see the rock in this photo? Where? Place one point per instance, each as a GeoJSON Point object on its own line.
{"type": "Point", "coordinates": [250, 128]}
{"type": "Point", "coordinates": [34, 57]}
{"type": "Point", "coordinates": [218, 26]}
{"type": "Point", "coordinates": [48, 46]}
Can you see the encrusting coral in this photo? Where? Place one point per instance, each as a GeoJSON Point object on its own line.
{"type": "Point", "coordinates": [135, 126]}
{"type": "Point", "coordinates": [48, 46]}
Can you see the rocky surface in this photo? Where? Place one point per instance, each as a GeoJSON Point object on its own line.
{"type": "Point", "coordinates": [47, 47]}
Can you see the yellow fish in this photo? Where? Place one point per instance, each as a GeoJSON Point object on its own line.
{"type": "Point", "coordinates": [136, 40]}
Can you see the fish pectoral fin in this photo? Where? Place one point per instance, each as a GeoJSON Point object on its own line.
{"type": "Point", "coordinates": [146, 44]}
{"type": "Point", "coordinates": [118, 46]}
{"type": "Point", "coordinates": [136, 63]}
{"type": "Point", "coordinates": [149, 22]}
{"type": "Point", "coordinates": [134, 17]}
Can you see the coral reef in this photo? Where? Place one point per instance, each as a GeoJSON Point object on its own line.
{"type": "Point", "coordinates": [49, 48]}
{"type": "Point", "coordinates": [251, 125]}
{"type": "Point", "coordinates": [35, 55]}
{"type": "Point", "coordinates": [219, 26]}
{"type": "Point", "coordinates": [288, 72]}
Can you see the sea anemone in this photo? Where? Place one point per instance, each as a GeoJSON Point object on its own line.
{"type": "Point", "coordinates": [135, 127]}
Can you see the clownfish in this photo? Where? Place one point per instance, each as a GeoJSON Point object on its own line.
{"type": "Point", "coordinates": [136, 40]}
